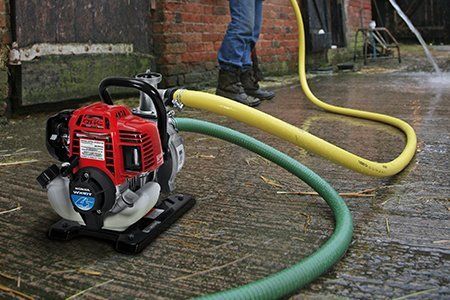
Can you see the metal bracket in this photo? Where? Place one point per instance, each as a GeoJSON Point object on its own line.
{"type": "Point", "coordinates": [17, 55]}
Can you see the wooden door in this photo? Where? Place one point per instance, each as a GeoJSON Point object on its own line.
{"type": "Point", "coordinates": [67, 47]}
{"type": "Point", "coordinates": [430, 17]}
{"type": "Point", "coordinates": [317, 25]}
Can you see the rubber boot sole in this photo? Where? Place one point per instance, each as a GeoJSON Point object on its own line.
{"type": "Point", "coordinates": [231, 96]}
{"type": "Point", "coordinates": [261, 98]}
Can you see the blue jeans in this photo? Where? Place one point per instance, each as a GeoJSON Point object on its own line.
{"type": "Point", "coordinates": [242, 34]}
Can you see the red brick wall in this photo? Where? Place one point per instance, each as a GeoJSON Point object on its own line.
{"type": "Point", "coordinates": [354, 10]}
{"type": "Point", "coordinates": [278, 45]}
{"type": "Point", "coordinates": [5, 39]}
{"type": "Point", "coordinates": [188, 34]}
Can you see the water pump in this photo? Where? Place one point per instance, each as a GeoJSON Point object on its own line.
{"type": "Point", "coordinates": [114, 164]}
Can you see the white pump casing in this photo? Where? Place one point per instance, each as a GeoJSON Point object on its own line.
{"type": "Point", "coordinates": [58, 195]}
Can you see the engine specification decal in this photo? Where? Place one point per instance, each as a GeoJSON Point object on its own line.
{"type": "Point", "coordinates": [92, 149]}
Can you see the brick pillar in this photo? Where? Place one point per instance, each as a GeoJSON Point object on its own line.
{"type": "Point", "coordinates": [278, 44]}
{"type": "Point", "coordinates": [4, 50]}
{"type": "Point", "coordinates": [186, 38]}
{"type": "Point", "coordinates": [357, 11]}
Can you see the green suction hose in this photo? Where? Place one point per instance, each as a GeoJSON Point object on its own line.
{"type": "Point", "coordinates": [297, 276]}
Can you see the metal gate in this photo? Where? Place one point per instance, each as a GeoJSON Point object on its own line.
{"type": "Point", "coordinates": [64, 48]}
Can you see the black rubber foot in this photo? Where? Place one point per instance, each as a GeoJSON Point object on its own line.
{"type": "Point", "coordinates": [136, 237]}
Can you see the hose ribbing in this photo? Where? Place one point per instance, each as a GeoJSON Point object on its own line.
{"type": "Point", "coordinates": [293, 278]}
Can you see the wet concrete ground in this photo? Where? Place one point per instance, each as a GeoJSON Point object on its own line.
{"type": "Point", "coordinates": [241, 229]}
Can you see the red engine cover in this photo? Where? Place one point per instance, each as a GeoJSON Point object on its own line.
{"type": "Point", "coordinates": [99, 133]}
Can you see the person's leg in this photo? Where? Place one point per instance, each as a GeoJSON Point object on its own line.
{"type": "Point", "coordinates": [258, 21]}
{"type": "Point", "coordinates": [239, 34]}
{"type": "Point", "coordinates": [256, 70]}
{"type": "Point", "coordinates": [248, 78]}
{"type": "Point", "coordinates": [234, 46]}
{"type": "Point", "coordinates": [247, 61]}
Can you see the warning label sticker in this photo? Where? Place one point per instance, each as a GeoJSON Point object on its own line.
{"type": "Point", "coordinates": [92, 149]}
{"type": "Point", "coordinates": [180, 156]}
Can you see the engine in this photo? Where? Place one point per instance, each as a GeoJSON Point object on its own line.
{"type": "Point", "coordinates": [114, 162]}
{"type": "Point", "coordinates": [110, 138]}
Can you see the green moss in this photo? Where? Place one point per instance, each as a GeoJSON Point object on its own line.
{"type": "Point", "coordinates": [279, 68]}
{"type": "Point", "coordinates": [3, 82]}
{"type": "Point", "coordinates": [340, 55]}
{"type": "Point", "coordinates": [59, 78]}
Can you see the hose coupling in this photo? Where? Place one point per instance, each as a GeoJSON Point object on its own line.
{"type": "Point", "coordinates": [174, 100]}
{"type": "Point", "coordinates": [177, 104]}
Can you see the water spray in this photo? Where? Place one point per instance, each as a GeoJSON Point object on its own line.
{"type": "Point", "coordinates": [418, 35]}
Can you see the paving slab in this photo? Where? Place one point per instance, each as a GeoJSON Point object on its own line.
{"type": "Point", "coordinates": [240, 229]}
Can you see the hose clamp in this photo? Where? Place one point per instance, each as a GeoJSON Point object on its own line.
{"type": "Point", "coordinates": [177, 100]}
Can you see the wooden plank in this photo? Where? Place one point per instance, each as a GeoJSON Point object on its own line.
{"type": "Point", "coordinates": [54, 78]}
{"type": "Point", "coordinates": [83, 21]}
{"type": "Point", "coordinates": [430, 17]}
{"type": "Point", "coordinates": [413, 6]}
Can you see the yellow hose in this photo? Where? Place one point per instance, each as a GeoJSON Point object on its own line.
{"type": "Point", "coordinates": [299, 137]}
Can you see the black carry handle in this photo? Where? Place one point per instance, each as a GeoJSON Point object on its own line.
{"type": "Point", "coordinates": [146, 88]}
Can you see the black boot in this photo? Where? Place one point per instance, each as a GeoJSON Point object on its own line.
{"type": "Point", "coordinates": [256, 70]}
{"type": "Point", "coordinates": [229, 86]}
{"type": "Point", "coordinates": [251, 86]}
